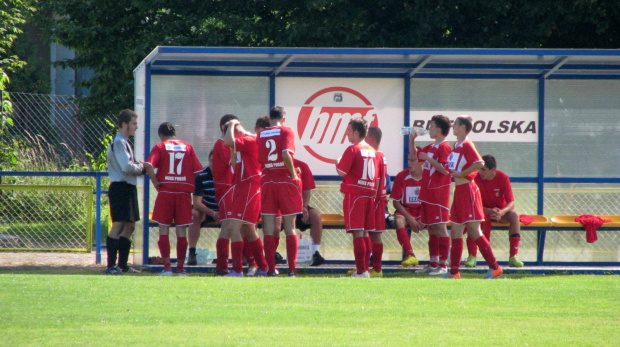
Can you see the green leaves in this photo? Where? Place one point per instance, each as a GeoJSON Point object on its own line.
{"type": "Point", "coordinates": [112, 37]}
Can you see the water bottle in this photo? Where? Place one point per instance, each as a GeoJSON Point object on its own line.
{"type": "Point", "coordinates": [410, 130]}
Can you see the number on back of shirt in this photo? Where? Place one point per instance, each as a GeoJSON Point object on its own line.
{"type": "Point", "coordinates": [176, 162]}
{"type": "Point", "coordinates": [271, 146]}
{"type": "Point", "coordinates": [369, 169]}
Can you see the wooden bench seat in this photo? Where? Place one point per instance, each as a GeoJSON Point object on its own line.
{"type": "Point", "coordinates": [568, 221]}
{"type": "Point", "coordinates": [336, 221]}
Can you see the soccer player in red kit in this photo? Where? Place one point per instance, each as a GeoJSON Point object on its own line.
{"type": "Point", "coordinates": [499, 206]}
{"type": "Point", "coordinates": [464, 163]}
{"type": "Point", "coordinates": [435, 193]}
{"type": "Point", "coordinates": [405, 195]}
{"type": "Point", "coordinates": [373, 241]}
{"type": "Point", "coordinates": [177, 166]}
{"type": "Point", "coordinates": [246, 196]}
{"type": "Point", "coordinates": [281, 190]}
{"type": "Point", "coordinates": [222, 179]}
{"type": "Point", "coordinates": [358, 168]}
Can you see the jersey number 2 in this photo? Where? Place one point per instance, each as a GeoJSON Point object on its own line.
{"type": "Point", "coordinates": [271, 146]}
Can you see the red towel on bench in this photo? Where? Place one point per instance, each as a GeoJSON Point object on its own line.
{"type": "Point", "coordinates": [526, 220]}
{"type": "Point", "coordinates": [591, 223]}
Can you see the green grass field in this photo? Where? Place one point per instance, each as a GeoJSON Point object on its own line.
{"type": "Point", "coordinates": [80, 308]}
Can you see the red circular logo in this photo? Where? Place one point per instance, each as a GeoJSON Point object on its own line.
{"type": "Point", "coordinates": [322, 121]}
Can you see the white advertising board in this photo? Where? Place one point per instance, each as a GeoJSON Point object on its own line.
{"type": "Point", "coordinates": [319, 110]}
{"type": "Point", "coordinates": [488, 126]}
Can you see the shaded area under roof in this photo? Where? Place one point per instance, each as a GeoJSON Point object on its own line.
{"type": "Point", "coordinates": [387, 62]}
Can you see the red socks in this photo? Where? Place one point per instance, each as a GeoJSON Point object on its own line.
{"type": "Point", "coordinates": [359, 251]}
{"type": "Point", "coordinates": [487, 252]}
{"type": "Point", "coordinates": [256, 249]}
{"type": "Point", "coordinates": [455, 255]}
{"type": "Point", "coordinates": [221, 247]}
{"type": "Point", "coordinates": [405, 242]}
{"type": "Point", "coordinates": [270, 252]}
{"type": "Point", "coordinates": [181, 251]}
{"type": "Point", "coordinates": [368, 243]}
{"type": "Point", "coordinates": [377, 254]}
{"type": "Point", "coordinates": [237, 256]}
{"type": "Point", "coordinates": [514, 244]}
{"type": "Point", "coordinates": [444, 250]}
{"type": "Point", "coordinates": [433, 250]}
{"type": "Point", "coordinates": [291, 252]}
{"type": "Point", "coordinates": [247, 251]}
{"type": "Point", "coordinates": [472, 249]}
{"type": "Point", "coordinates": [164, 250]}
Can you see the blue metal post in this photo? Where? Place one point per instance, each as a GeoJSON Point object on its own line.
{"type": "Point", "coordinates": [272, 91]}
{"type": "Point", "coordinates": [147, 146]}
{"type": "Point", "coordinates": [541, 167]}
{"type": "Point", "coordinates": [407, 114]}
{"type": "Point", "coordinates": [97, 218]}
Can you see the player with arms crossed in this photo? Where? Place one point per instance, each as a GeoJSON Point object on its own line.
{"type": "Point", "coordinates": [177, 166]}
{"type": "Point", "coordinates": [435, 193]}
{"type": "Point", "coordinates": [281, 190]}
{"type": "Point", "coordinates": [405, 195]}
{"type": "Point", "coordinates": [358, 168]}
{"type": "Point", "coordinates": [464, 163]}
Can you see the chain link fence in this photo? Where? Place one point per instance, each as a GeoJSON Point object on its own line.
{"type": "Point", "coordinates": [49, 137]}
{"type": "Point", "coordinates": [46, 218]}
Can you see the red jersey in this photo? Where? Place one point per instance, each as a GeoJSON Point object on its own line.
{"type": "Point", "coordinates": [271, 143]}
{"type": "Point", "coordinates": [221, 169]}
{"type": "Point", "coordinates": [247, 162]}
{"type": "Point", "coordinates": [359, 164]}
{"type": "Point", "coordinates": [462, 157]}
{"type": "Point", "coordinates": [382, 176]}
{"type": "Point", "coordinates": [307, 179]}
{"type": "Point", "coordinates": [406, 190]}
{"type": "Point", "coordinates": [432, 180]}
{"type": "Point", "coordinates": [176, 162]}
{"type": "Point", "coordinates": [496, 192]}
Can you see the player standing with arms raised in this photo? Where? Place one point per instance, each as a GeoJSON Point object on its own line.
{"type": "Point", "coordinates": [435, 193]}
{"type": "Point", "coordinates": [358, 168]}
{"type": "Point", "coordinates": [246, 197]}
{"type": "Point", "coordinates": [222, 179]}
{"type": "Point", "coordinates": [464, 163]}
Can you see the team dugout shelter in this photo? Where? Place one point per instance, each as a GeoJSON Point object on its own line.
{"type": "Point", "coordinates": [550, 118]}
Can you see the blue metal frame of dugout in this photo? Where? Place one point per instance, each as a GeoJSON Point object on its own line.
{"type": "Point", "coordinates": [405, 63]}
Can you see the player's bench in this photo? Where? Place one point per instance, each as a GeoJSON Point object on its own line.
{"type": "Point", "coordinates": [568, 221]}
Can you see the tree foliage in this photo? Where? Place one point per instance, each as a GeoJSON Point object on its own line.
{"type": "Point", "coordinates": [112, 37]}
{"type": "Point", "coordinates": [12, 17]}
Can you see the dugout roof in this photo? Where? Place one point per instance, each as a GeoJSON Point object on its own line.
{"type": "Point", "coordinates": [387, 62]}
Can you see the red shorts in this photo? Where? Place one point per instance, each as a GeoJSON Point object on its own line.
{"type": "Point", "coordinates": [433, 214]}
{"type": "Point", "coordinates": [173, 207]}
{"type": "Point", "coordinates": [413, 211]}
{"type": "Point", "coordinates": [284, 196]}
{"type": "Point", "coordinates": [246, 201]}
{"type": "Point", "coordinates": [359, 212]}
{"type": "Point", "coordinates": [380, 215]}
{"type": "Point", "coordinates": [467, 204]}
{"type": "Point", "coordinates": [225, 204]}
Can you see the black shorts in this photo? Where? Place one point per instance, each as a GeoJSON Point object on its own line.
{"type": "Point", "coordinates": [300, 224]}
{"type": "Point", "coordinates": [123, 199]}
{"type": "Point", "coordinates": [208, 220]}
